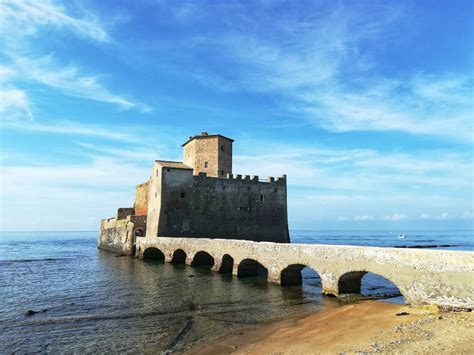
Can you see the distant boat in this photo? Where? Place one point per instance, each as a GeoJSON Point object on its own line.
{"type": "Point", "coordinates": [401, 236]}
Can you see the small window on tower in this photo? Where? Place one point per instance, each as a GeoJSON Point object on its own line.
{"type": "Point", "coordinates": [183, 194]}
{"type": "Point", "coordinates": [222, 147]}
{"type": "Point", "coordinates": [222, 172]}
{"type": "Point", "coordinates": [262, 198]}
{"type": "Point", "coordinates": [206, 164]}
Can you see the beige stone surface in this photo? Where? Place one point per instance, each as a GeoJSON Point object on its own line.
{"type": "Point", "coordinates": [424, 277]}
{"type": "Point", "coordinates": [200, 197]}
{"type": "Point", "coordinates": [210, 154]}
{"type": "Point", "coordinates": [120, 235]}
{"type": "Point", "coordinates": [141, 199]}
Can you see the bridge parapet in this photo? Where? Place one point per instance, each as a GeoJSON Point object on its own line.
{"type": "Point", "coordinates": [424, 277]}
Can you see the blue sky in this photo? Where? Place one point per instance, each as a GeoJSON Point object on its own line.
{"type": "Point", "coordinates": [366, 106]}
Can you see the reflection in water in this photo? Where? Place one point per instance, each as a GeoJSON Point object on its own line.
{"type": "Point", "coordinates": [97, 302]}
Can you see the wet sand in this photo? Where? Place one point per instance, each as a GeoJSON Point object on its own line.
{"type": "Point", "coordinates": [366, 327]}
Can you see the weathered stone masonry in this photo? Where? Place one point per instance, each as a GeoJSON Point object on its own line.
{"type": "Point", "coordinates": [200, 197]}
{"type": "Point", "coordinates": [183, 204]}
{"type": "Point", "coordinates": [424, 277]}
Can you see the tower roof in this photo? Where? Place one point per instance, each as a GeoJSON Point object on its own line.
{"type": "Point", "coordinates": [205, 135]}
{"type": "Point", "coordinates": [173, 164]}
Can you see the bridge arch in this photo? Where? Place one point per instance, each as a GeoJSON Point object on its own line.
{"type": "Point", "coordinates": [352, 282]}
{"type": "Point", "coordinates": [152, 253]}
{"type": "Point", "coordinates": [251, 267]}
{"type": "Point", "coordinates": [203, 258]}
{"type": "Point", "coordinates": [292, 275]}
{"type": "Point", "coordinates": [179, 257]}
{"type": "Point", "coordinates": [227, 264]}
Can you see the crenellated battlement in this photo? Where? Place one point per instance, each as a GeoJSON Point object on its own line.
{"type": "Point", "coordinates": [201, 197]}
{"type": "Point", "coordinates": [281, 180]}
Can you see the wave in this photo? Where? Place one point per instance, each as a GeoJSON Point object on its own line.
{"type": "Point", "coordinates": [31, 260]}
{"type": "Point", "coordinates": [426, 246]}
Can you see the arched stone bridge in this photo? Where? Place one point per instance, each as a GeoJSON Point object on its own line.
{"type": "Point", "coordinates": [424, 277]}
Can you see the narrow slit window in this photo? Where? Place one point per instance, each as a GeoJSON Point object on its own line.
{"type": "Point", "coordinates": [206, 164]}
{"type": "Point", "coordinates": [222, 148]}
{"type": "Point", "coordinates": [183, 194]}
{"type": "Point", "coordinates": [262, 198]}
{"type": "Point", "coordinates": [222, 172]}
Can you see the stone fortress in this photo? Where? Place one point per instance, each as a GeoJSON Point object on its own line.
{"type": "Point", "coordinates": [200, 198]}
{"type": "Point", "coordinates": [197, 213]}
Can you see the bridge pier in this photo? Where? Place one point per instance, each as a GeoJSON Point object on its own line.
{"type": "Point", "coordinates": [274, 278]}
{"type": "Point", "coordinates": [329, 283]}
{"type": "Point", "coordinates": [424, 277]}
{"type": "Point", "coordinates": [217, 265]}
{"type": "Point", "coordinates": [235, 269]}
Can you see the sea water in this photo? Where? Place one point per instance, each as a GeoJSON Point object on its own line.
{"type": "Point", "coordinates": [94, 301]}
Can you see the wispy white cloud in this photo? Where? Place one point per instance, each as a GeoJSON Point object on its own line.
{"type": "Point", "coordinates": [29, 15]}
{"type": "Point", "coordinates": [6, 73]}
{"type": "Point", "coordinates": [144, 153]}
{"type": "Point", "coordinates": [468, 215]}
{"type": "Point", "coordinates": [22, 23]}
{"type": "Point", "coordinates": [13, 102]}
{"type": "Point", "coordinates": [428, 105]}
{"type": "Point", "coordinates": [68, 80]}
{"type": "Point", "coordinates": [319, 67]}
{"type": "Point", "coordinates": [101, 173]}
{"type": "Point", "coordinates": [446, 215]}
{"type": "Point", "coordinates": [337, 182]}
{"type": "Point", "coordinates": [73, 129]}
{"type": "Point", "coordinates": [358, 169]}
{"type": "Point", "coordinates": [78, 190]}
{"type": "Point", "coordinates": [397, 216]}
{"type": "Point", "coordinates": [364, 218]}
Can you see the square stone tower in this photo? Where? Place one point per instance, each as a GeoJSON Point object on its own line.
{"type": "Point", "coordinates": [209, 153]}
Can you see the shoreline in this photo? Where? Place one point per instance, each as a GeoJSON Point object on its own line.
{"type": "Point", "coordinates": [364, 327]}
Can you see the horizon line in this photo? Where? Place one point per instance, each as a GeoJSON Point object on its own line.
{"type": "Point", "coordinates": [295, 230]}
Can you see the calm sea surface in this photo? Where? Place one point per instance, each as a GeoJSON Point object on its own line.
{"type": "Point", "coordinates": [97, 302]}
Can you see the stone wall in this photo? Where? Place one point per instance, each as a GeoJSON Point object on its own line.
{"type": "Point", "coordinates": [224, 147]}
{"type": "Point", "coordinates": [424, 277]}
{"type": "Point", "coordinates": [154, 201]}
{"type": "Point", "coordinates": [141, 199]}
{"type": "Point", "coordinates": [124, 212]}
{"type": "Point", "coordinates": [118, 235]}
{"type": "Point", "coordinates": [211, 155]}
{"type": "Point", "coordinates": [229, 208]}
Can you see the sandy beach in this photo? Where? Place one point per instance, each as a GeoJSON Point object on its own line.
{"type": "Point", "coordinates": [366, 327]}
